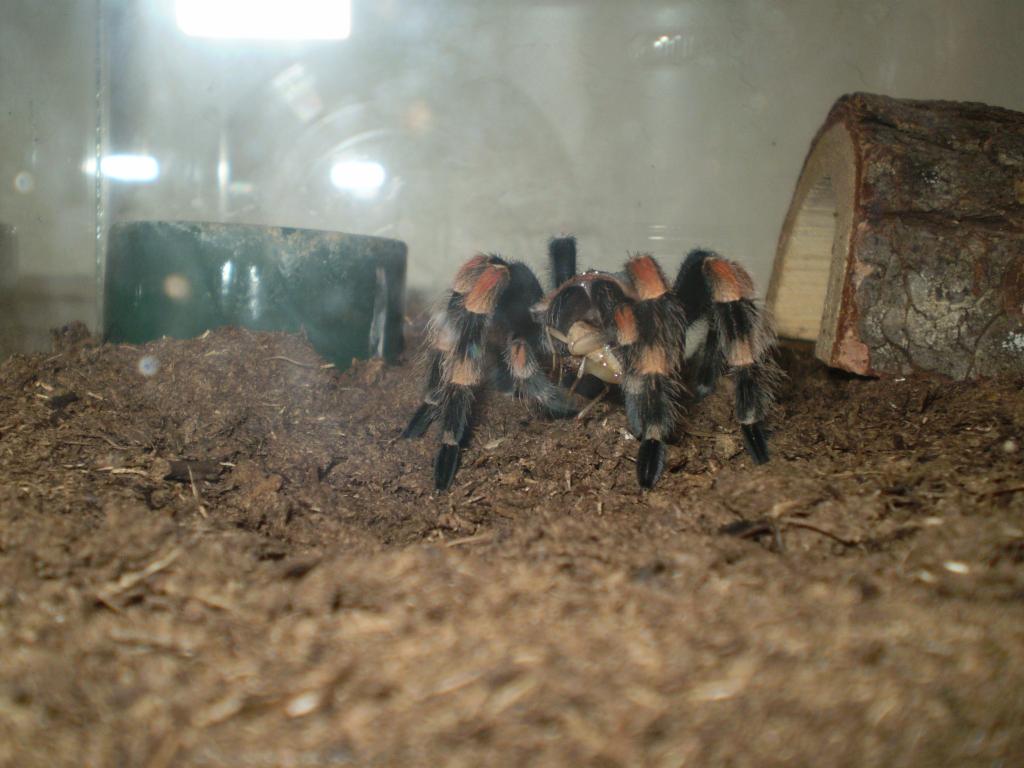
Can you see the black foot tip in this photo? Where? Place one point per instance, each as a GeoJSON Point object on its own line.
{"type": "Point", "coordinates": [420, 421]}
{"type": "Point", "coordinates": [756, 441]}
{"type": "Point", "coordinates": [445, 467]}
{"type": "Point", "coordinates": [650, 462]}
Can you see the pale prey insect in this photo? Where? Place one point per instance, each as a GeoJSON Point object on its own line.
{"type": "Point", "coordinates": [662, 344]}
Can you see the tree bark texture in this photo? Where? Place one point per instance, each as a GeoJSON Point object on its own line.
{"type": "Point", "coordinates": [903, 248]}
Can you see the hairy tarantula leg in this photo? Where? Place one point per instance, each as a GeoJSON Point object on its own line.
{"type": "Point", "coordinates": [562, 255]}
{"type": "Point", "coordinates": [650, 330]}
{"type": "Point", "coordinates": [531, 382]}
{"type": "Point", "coordinates": [420, 421]}
{"type": "Point", "coordinates": [729, 331]}
{"type": "Point", "coordinates": [737, 320]}
{"type": "Point", "coordinates": [525, 343]}
{"type": "Point", "coordinates": [459, 339]}
{"type": "Point", "coordinates": [702, 351]}
{"type": "Point", "coordinates": [427, 412]}
{"type": "Point", "coordinates": [456, 419]}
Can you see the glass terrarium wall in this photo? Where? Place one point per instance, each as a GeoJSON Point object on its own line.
{"type": "Point", "coordinates": [456, 126]}
{"type": "Point", "coordinates": [48, 131]}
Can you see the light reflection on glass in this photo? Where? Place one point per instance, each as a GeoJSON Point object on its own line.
{"type": "Point", "coordinates": [266, 19]}
{"type": "Point", "coordinates": [666, 40]}
{"type": "Point", "coordinates": [132, 168]}
{"type": "Point", "coordinates": [226, 273]}
{"type": "Point", "coordinates": [254, 291]}
{"type": "Point", "coordinates": [298, 90]}
{"type": "Point", "coordinates": [24, 182]}
{"type": "Point", "coordinates": [177, 287]}
{"type": "Point", "coordinates": [149, 365]}
{"type": "Point", "coordinates": [362, 178]}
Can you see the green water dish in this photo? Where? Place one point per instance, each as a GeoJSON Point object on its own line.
{"type": "Point", "coordinates": [180, 279]}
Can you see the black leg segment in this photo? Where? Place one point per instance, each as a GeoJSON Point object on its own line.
{"type": "Point", "coordinates": [650, 462]}
{"type": "Point", "coordinates": [562, 254]}
{"type": "Point", "coordinates": [420, 421]}
{"type": "Point", "coordinates": [756, 442]}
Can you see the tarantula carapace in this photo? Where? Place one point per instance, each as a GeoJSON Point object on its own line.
{"type": "Point", "coordinates": [662, 344]}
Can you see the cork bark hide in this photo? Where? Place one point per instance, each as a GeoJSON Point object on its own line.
{"type": "Point", "coordinates": [903, 247]}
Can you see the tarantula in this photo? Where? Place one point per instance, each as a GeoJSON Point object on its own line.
{"type": "Point", "coordinates": [661, 344]}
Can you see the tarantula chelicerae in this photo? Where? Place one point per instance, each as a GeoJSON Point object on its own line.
{"type": "Point", "coordinates": [662, 344]}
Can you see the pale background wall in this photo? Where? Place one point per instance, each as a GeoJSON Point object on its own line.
{"type": "Point", "coordinates": [499, 123]}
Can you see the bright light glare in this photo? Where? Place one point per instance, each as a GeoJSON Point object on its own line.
{"type": "Point", "coordinates": [361, 177]}
{"type": "Point", "coordinates": [137, 168]}
{"type": "Point", "coordinates": [266, 19]}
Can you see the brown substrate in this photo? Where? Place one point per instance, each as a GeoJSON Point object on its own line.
{"type": "Point", "coordinates": [297, 595]}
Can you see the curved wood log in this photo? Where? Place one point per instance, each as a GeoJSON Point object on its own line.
{"type": "Point", "coordinates": [903, 247]}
